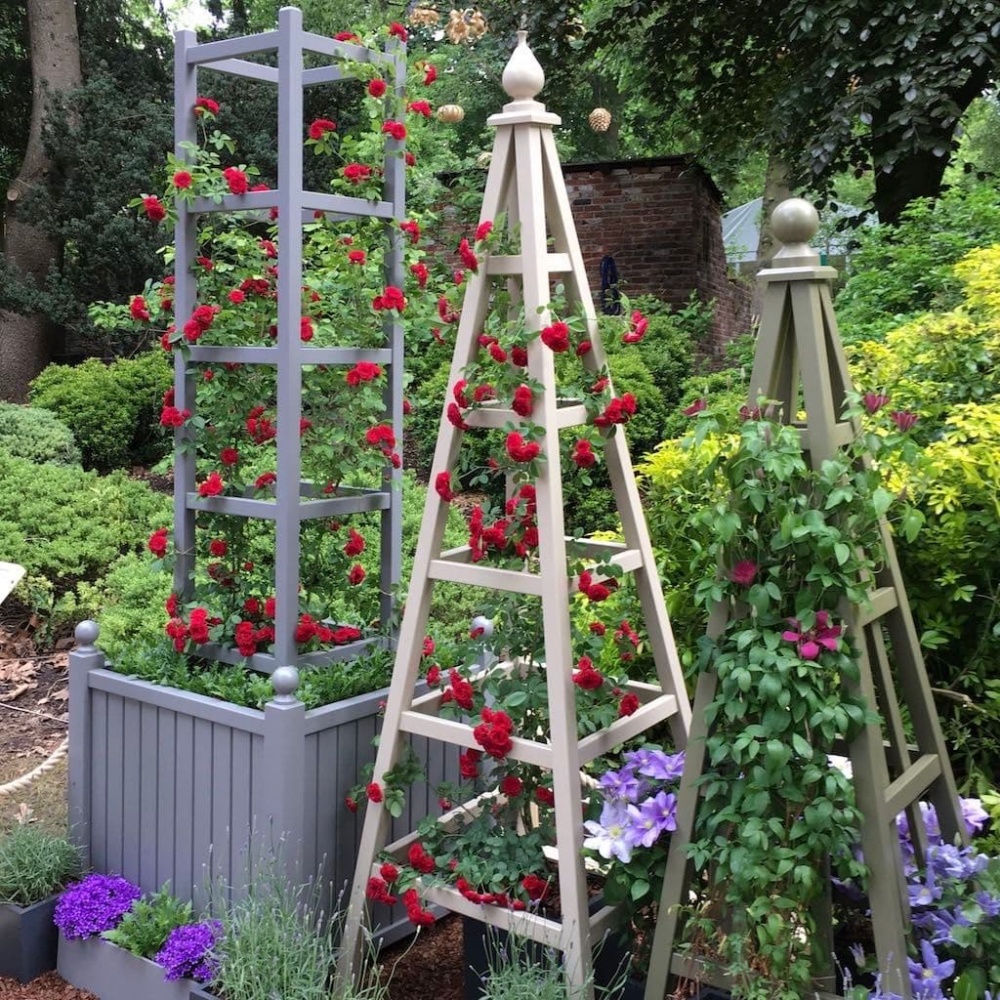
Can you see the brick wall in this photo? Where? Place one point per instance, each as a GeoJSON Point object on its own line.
{"type": "Point", "coordinates": [660, 219]}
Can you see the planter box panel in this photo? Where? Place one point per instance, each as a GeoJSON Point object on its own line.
{"type": "Point", "coordinates": [149, 721]}
{"type": "Point", "coordinates": [175, 785]}
{"type": "Point", "coordinates": [115, 974]}
{"type": "Point", "coordinates": [28, 940]}
{"type": "Point", "coordinates": [163, 789]}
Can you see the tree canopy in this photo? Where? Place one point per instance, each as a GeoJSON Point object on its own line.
{"type": "Point", "coordinates": [855, 85]}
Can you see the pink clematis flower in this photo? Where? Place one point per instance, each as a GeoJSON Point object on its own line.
{"type": "Point", "coordinates": [811, 642]}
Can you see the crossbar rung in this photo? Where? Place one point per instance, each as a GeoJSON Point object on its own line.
{"type": "Point", "coordinates": [881, 602]}
{"type": "Point", "coordinates": [912, 783]}
{"type": "Point", "coordinates": [455, 570]}
{"type": "Point", "coordinates": [460, 734]}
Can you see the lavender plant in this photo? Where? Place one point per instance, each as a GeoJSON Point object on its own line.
{"type": "Point", "coordinates": [94, 905]}
{"type": "Point", "coordinates": [35, 864]}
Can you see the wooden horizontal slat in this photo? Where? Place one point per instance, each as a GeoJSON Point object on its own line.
{"type": "Point", "coordinates": [912, 783]}
{"type": "Point", "coordinates": [460, 734]}
{"type": "Point", "coordinates": [882, 601]}
{"type": "Point", "coordinates": [472, 574]}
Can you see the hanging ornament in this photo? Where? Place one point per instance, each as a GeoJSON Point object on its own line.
{"type": "Point", "coordinates": [465, 25]}
{"type": "Point", "coordinates": [450, 113]}
{"type": "Point", "coordinates": [599, 119]}
{"type": "Point", "coordinates": [424, 17]}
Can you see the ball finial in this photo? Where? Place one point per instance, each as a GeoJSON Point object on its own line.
{"type": "Point", "coordinates": [86, 634]}
{"type": "Point", "coordinates": [523, 76]}
{"type": "Point", "coordinates": [794, 223]}
{"type": "Point", "coordinates": [285, 681]}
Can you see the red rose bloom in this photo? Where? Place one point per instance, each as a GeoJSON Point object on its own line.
{"type": "Point", "coordinates": [628, 705]}
{"type": "Point", "coordinates": [519, 450]}
{"type": "Point", "coordinates": [433, 676]}
{"type": "Point", "coordinates": [320, 127]}
{"type": "Point", "coordinates": [206, 104]}
{"type": "Point", "coordinates": [493, 734]}
{"type": "Point", "coordinates": [218, 547]}
{"type": "Point", "coordinates": [556, 337]}
{"type": "Point", "coordinates": [306, 328]}
{"type": "Point", "coordinates": [182, 179]}
{"type": "Point", "coordinates": [391, 298]}
{"type": "Point", "coordinates": [468, 255]}
{"type": "Point", "coordinates": [397, 130]}
{"type": "Point", "coordinates": [154, 209]}
{"type": "Point", "coordinates": [583, 454]}
{"type": "Point", "coordinates": [376, 87]}
{"type": "Point", "coordinates": [483, 230]}
{"type": "Point", "coordinates": [511, 786]}
{"type": "Point", "coordinates": [524, 401]}
{"type": "Point", "coordinates": [229, 456]}
{"type": "Point", "coordinates": [356, 173]}
{"type": "Point", "coordinates": [237, 297]}
{"type": "Point", "coordinates": [355, 544]}
{"type": "Point", "coordinates": [535, 887]}
{"type": "Point", "coordinates": [138, 309]}
{"type": "Point", "coordinates": [468, 763]}
{"type": "Point", "coordinates": [378, 892]}
{"type": "Point", "coordinates": [374, 791]}
{"type": "Point", "coordinates": [346, 36]}
{"type": "Point", "coordinates": [430, 76]}
{"type": "Point", "coordinates": [545, 796]}
{"type": "Point", "coordinates": [420, 272]}
{"type": "Point", "coordinates": [442, 486]}
{"type": "Point", "coordinates": [420, 108]}
{"type": "Point", "coordinates": [519, 357]}
{"type": "Point", "coordinates": [157, 543]}
{"type": "Point", "coordinates": [412, 229]}
{"type": "Point", "coordinates": [396, 30]}
{"type": "Point", "coordinates": [212, 486]}
{"type": "Point", "coordinates": [389, 872]}
{"type": "Point", "coordinates": [238, 181]}
{"type": "Point", "coordinates": [637, 330]}
{"type": "Point", "coordinates": [357, 256]}
{"type": "Point", "coordinates": [264, 480]}
{"type": "Point", "coordinates": [356, 574]}
{"type": "Point", "coordinates": [381, 436]}
{"type": "Point", "coordinates": [419, 860]}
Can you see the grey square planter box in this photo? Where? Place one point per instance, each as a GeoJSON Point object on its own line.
{"type": "Point", "coordinates": [169, 786]}
{"type": "Point", "coordinates": [28, 939]}
{"type": "Point", "coordinates": [116, 974]}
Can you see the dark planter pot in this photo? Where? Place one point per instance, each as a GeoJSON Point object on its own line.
{"type": "Point", "coordinates": [201, 993]}
{"type": "Point", "coordinates": [116, 974]}
{"type": "Point", "coordinates": [28, 940]}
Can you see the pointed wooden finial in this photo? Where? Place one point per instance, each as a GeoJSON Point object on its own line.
{"type": "Point", "coordinates": [523, 77]}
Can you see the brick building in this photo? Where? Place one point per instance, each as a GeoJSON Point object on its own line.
{"type": "Point", "coordinates": [660, 219]}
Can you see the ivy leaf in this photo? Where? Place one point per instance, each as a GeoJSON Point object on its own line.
{"type": "Point", "coordinates": [640, 888]}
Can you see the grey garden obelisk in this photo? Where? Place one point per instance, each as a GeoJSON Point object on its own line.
{"type": "Point", "coordinates": [800, 364]}
{"type": "Point", "coordinates": [525, 185]}
{"type": "Point", "coordinates": [295, 500]}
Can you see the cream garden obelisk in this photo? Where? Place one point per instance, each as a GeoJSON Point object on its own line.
{"type": "Point", "coordinates": [525, 186]}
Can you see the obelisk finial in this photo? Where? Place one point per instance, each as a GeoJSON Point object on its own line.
{"type": "Point", "coordinates": [523, 76]}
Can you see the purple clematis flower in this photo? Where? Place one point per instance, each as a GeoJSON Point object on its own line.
{"type": "Point", "coordinates": [926, 979]}
{"type": "Point", "coordinates": [656, 764]}
{"type": "Point", "coordinates": [655, 816]}
{"type": "Point", "coordinates": [623, 785]}
{"type": "Point", "coordinates": [610, 836]}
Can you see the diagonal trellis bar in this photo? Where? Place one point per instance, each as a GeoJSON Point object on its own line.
{"type": "Point", "coordinates": [800, 364]}
{"type": "Point", "coordinates": [525, 185]}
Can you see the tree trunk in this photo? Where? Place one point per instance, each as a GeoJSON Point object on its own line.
{"type": "Point", "coordinates": [776, 190]}
{"type": "Point", "coordinates": [55, 67]}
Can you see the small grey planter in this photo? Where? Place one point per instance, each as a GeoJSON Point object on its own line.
{"type": "Point", "coordinates": [201, 993]}
{"type": "Point", "coordinates": [116, 974]}
{"type": "Point", "coordinates": [28, 939]}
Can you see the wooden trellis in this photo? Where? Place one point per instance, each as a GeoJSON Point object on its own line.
{"type": "Point", "coordinates": [525, 185]}
{"type": "Point", "coordinates": [800, 363]}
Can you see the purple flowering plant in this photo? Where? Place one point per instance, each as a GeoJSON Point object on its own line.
{"type": "Point", "coordinates": [188, 952]}
{"type": "Point", "coordinates": [94, 905]}
{"type": "Point", "coordinates": [955, 909]}
{"type": "Point", "coordinates": [634, 812]}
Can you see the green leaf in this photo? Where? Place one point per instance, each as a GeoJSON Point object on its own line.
{"type": "Point", "coordinates": [640, 888]}
{"type": "Point", "coordinates": [842, 552]}
{"type": "Point", "coordinates": [970, 985]}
